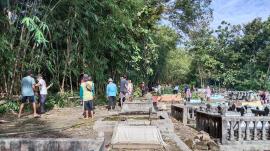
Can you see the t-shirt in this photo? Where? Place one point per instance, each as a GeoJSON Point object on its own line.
{"type": "Point", "coordinates": [111, 89]}
{"type": "Point", "coordinates": [85, 93]}
{"type": "Point", "coordinates": [42, 87]}
{"type": "Point", "coordinates": [26, 85]}
{"type": "Point", "coordinates": [123, 85]}
{"type": "Point", "coordinates": [130, 88]}
{"type": "Point", "coordinates": [208, 92]}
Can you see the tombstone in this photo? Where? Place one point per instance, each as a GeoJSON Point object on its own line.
{"type": "Point", "coordinates": [266, 111]}
{"type": "Point", "coordinates": [208, 107]}
{"type": "Point", "coordinates": [219, 109]}
{"type": "Point", "coordinates": [242, 111]}
{"type": "Point", "coordinates": [231, 113]}
{"type": "Point", "coordinates": [233, 107]}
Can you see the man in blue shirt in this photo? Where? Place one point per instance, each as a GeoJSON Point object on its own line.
{"type": "Point", "coordinates": [111, 91]}
{"type": "Point", "coordinates": [28, 86]}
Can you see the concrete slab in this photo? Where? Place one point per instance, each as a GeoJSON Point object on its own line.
{"type": "Point", "coordinates": [137, 107]}
{"type": "Point", "coordinates": [132, 137]}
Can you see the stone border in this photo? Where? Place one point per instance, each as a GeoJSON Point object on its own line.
{"type": "Point", "coordinates": [51, 144]}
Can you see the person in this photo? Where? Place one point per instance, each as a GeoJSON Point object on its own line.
{"type": "Point", "coordinates": [123, 89]}
{"type": "Point", "coordinates": [188, 95]}
{"type": "Point", "coordinates": [176, 89]}
{"type": "Point", "coordinates": [185, 89]}
{"type": "Point", "coordinates": [159, 89]}
{"type": "Point", "coordinates": [143, 88]}
{"type": "Point", "coordinates": [208, 93]}
{"type": "Point", "coordinates": [87, 95]}
{"type": "Point", "coordinates": [263, 97]}
{"type": "Point", "coordinates": [111, 91]}
{"type": "Point", "coordinates": [42, 92]}
{"type": "Point", "coordinates": [130, 90]}
{"type": "Point", "coordinates": [27, 87]}
{"type": "Point", "coordinates": [155, 99]}
{"type": "Point", "coordinates": [80, 82]}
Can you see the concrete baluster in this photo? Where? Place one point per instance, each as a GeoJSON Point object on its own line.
{"type": "Point", "coordinates": [239, 131]}
{"type": "Point", "coordinates": [193, 117]}
{"type": "Point", "coordinates": [224, 132]}
{"type": "Point", "coordinates": [263, 130]}
{"type": "Point", "coordinates": [247, 130]}
{"type": "Point", "coordinates": [255, 130]}
{"type": "Point", "coordinates": [232, 130]}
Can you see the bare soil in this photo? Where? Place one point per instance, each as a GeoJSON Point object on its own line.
{"type": "Point", "coordinates": [69, 123]}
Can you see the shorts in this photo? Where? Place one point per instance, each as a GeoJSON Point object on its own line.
{"type": "Point", "coordinates": [30, 98]}
{"type": "Point", "coordinates": [88, 105]}
{"type": "Point", "coordinates": [123, 95]}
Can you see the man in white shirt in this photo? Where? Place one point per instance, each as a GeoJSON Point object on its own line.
{"type": "Point", "coordinates": [43, 92]}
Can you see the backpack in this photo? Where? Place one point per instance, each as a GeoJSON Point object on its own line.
{"type": "Point", "coordinates": [89, 86]}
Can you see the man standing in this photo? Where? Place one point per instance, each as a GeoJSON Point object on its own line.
{"type": "Point", "coordinates": [123, 89]}
{"type": "Point", "coordinates": [28, 86]}
{"type": "Point", "coordinates": [176, 89]}
{"type": "Point", "coordinates": [111, 91]}
{"type": "Point", "coordinates": [43, 92]}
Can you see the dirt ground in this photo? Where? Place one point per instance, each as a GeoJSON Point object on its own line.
{"type": "Point", "coordinates": [69, 123]}
{"type": "Point", "coordinates": [182, 131]}
{"type": "Point", "coordinates": [59, 122]}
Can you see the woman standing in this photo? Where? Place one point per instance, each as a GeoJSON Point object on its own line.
{"type": "Point", "coordinates": [130, 90]}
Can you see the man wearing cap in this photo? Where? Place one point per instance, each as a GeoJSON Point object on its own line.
{"type": "Point", "coordinates": [87, 95]}
{"type": "Point", "coordinates": [111, 91]}
{"type": "Point", "coordinates": [28, 86]}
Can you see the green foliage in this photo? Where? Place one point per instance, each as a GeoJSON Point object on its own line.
{"type": "Point", "coordinates": [177, 66]}
{"type": "Point", "coordinates": [102, 100]}
{"type": "Point", "coordinates": [137, 92]}
{"type": "Point", "coordinates": [10, 105]}
{"type": "Point", "coordinates": [237, 57]}
{"type": "Point", "coordinates": [37, 27]}
{"type": "Point", "coordinates": [195, 96]}
{"type": "Point", "coordinates": [62, 39]}
{"type": "Point", "coordinates": [61, 100]}
{"type": "Point", "coordinates": [166, 90]}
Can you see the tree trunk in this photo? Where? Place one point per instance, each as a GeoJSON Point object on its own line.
{"type": "Point", "coordinates": [68, 61]}
{"type": "Point", "coordinates": [70, 81]}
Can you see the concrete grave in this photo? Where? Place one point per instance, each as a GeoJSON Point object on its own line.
{"type": "Point", "coordinates": [134, 137]}
{"type": "Point", "coordinates": [137, 107]}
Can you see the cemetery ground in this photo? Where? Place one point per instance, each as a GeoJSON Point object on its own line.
{"type": "Point", "coordinates": [69, 123]}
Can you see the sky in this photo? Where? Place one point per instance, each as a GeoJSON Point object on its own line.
{"type": "Point", "coordinates": [239, 11]}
